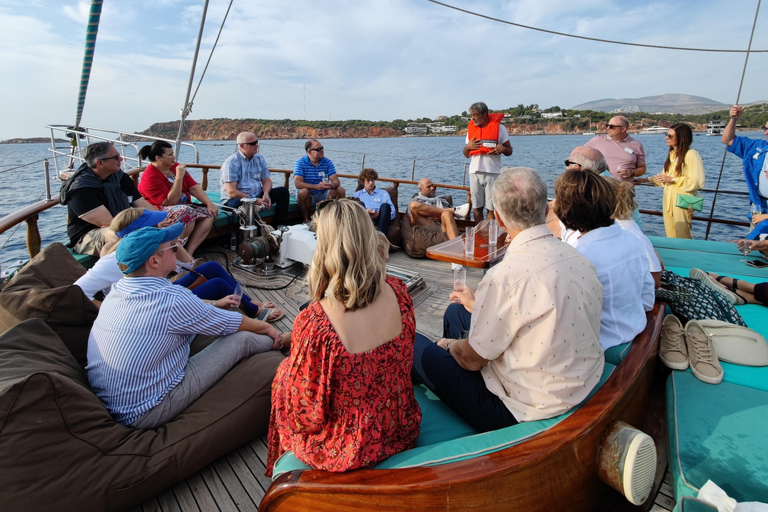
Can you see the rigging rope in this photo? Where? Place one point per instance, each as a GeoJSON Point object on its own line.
{"type": "Point", "coordinates": [738, 96]}
{"type": "Point", "coordinates": [211, 55]}
{"type": "Point", "coordinates": [90, 46]}
{"type": "Point", "coordinates": [598, 40]}
{"type": "Point", "coordinates": [23, 165]}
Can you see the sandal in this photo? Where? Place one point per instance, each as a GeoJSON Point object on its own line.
{"type": "Point", "coordinates": [709, 282]}
{"type": "Point", "coordinates": [270, 314]}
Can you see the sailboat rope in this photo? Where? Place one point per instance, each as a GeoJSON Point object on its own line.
{"type": "Point", "coordinates": [586, 38]}
{"type": "Point", "coordinates": [738, 97]}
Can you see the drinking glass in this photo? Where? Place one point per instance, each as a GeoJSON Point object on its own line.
{"type": "Point", "coordinates": [238, 295]}
{"type": "Point", "coordinates": [459, 280]}
{"type": "Point", "coordinates": [322, 176]}
{"type": "Point", "coordinates": [745, 249]}
{"type": "Point", "coordinates": [469, 241]}
{"type": "Point", "coordinates": [493, 232]}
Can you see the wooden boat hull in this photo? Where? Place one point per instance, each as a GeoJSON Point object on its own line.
{"type": "Point", "coordinates": [556, 470]}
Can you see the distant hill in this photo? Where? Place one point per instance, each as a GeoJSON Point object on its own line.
{"type": "Point", "coordinates": [664, 104]}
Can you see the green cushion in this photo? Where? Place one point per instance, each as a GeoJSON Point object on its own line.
{"type": "Point", "coordinates": [86, 260]}
{"type": "Point", "coordinates": [717, 432]}
{"type": "Point", "coordinates": [226, 217]}
{"type": "Point", "coordinates": [442, 448]}
{"type": "Point", "coordinates": [615, 355]}
{"type": "Point", "coordinates": [688, 504]}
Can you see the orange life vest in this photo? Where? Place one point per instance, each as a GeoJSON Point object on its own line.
{"type": "Point", "coordinates": [488, 133]}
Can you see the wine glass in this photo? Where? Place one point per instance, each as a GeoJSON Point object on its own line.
{"type": "Point", "coordinates": [745, 249]}
{"type": "Point", "coordinates": [322, 176]}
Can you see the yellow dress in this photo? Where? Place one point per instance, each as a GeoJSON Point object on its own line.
{"type": "Point", "coordinates": [677, 221]}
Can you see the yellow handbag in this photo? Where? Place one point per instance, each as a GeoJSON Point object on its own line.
{"type": "Point", "coordinates": [686, 201]}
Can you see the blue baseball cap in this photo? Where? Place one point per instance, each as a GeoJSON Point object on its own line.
{"type": "Point", "coordinates": [148, 218]}
{"type": "Point", "coordinates": [136, 248]}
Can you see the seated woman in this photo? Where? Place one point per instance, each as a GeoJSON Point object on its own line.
{"type": "Point", "coordinates": [625, 206]}
{"type": "Point", "coordinates": [218, 286]}
{"type": "Point", "coordinates": [584, 203]}
{"type": "Point", "coordinates": [343, 399]}
{"type": "Point", "coordinates": [166, 185]}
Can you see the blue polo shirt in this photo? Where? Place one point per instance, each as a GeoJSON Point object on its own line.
{"type": "Point", "coordinates": [247, 173]}
{"type": "Point", "coordinates": [752, 152]}
{"type": "Point", "coordinates": [304, 168]}
{"type": "Point", "coordinates": [375, 200]}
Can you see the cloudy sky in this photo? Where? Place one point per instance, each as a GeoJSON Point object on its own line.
{"type": "Point", "coordinates": [361, 59]}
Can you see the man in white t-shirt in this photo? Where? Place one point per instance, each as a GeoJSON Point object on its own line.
{"type": "Point", "coordinates": [487, 139]}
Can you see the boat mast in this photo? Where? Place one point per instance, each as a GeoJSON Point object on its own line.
{"type": "Point", "coordinates": [187, 104]}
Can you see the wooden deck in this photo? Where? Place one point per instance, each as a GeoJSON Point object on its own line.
{"type": "Point", "coordinates": [236, 482]}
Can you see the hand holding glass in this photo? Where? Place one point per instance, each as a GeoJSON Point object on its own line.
{"type": "Point", "coordinates": [459, 281]}
{"type": "Point", "coordinates": [237, 294]}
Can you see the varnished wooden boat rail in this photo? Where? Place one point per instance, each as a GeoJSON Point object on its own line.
{"type": "Point", "coordinates": [555, 470]}
{"type": "Point", "coordinates": [30, 215]}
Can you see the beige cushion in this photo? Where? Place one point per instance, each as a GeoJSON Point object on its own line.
{"type": "Point", "coordinates": [416, 239]}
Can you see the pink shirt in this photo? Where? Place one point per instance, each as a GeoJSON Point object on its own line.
{"type": "Point", "coordinates": [627, 154]}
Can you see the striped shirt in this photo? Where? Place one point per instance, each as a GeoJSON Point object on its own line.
{"type": "Point", "coordinates": [307, 170]}
{"type": "Point", "coordinates": [139, 344]}
{"type": "Point", "coordinates": [246, 173]}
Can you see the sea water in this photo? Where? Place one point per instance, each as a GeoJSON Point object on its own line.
{"type": "Point", "coordinates": [438, 158]}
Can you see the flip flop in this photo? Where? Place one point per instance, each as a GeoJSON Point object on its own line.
{"type": "Point", "coordinates": [705, 279]}
{"type": "Point", "coordinates": [268, 304]}
{"type": "Point", "coordinates": [266, 314]}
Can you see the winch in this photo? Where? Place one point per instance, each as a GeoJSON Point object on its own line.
{"type": "Point", "coordinates": [262, 246]}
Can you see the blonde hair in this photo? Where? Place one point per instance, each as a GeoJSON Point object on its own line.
{"type": "Point", "coordinates": [121, 221]}
{"type": "Point", "coordinates": [625, 199]}
{"type": "Point", "coordinates": [348, 264]}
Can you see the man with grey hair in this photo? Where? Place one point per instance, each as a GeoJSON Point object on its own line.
{"type": "Point", "coordinates": [625, 156]}
{"type": "Point", "coordinates": [533, 345]}
{"type": "Point", "coordinates": [487, 139]}
{"type": "Point", "coordinates": [585, 158]}
{"type": "Point", "coordinates": [94, 194]}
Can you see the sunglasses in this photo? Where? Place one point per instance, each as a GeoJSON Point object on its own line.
{"type": "Point", "coordinates": [569, 162]}
{"type": "Point", "coordinates": [668, 136]}
{"type": "Point", "coordinates": [321, 148]}
{"type": "Point", "coordinates": [254, 143]}
{"type": "Point", "coordinates": [173, 247]}
{"type": "Point", "coordinates": [115, 158]}
{"type": "Point", "coordinates": [612, 126]}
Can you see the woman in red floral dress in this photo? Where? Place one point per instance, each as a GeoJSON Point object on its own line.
{"type": "Point", "coordinates": [343, 399]}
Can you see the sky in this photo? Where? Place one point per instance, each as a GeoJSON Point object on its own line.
{"type": "Point", "coordinates": [361, 59]}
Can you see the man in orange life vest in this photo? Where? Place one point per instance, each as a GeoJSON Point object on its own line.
{"type": "Point", "coordinates": [487, 139]}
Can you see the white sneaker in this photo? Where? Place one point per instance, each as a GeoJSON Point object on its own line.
{"type": "Point", "coordinates": [462, 211]}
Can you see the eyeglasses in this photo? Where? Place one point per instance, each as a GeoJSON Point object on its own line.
{"type": "Point", "coordinates": [116, 158]}
{"type": "Point", "coordinates": [569, 162]}
{"type": "Point", "coordinates": [173, 247]}
{"type": "Point", "coordinates": [321, 148]}
{"type": "Point", "coordinates": [254, 143]}
{"type": "Point", "coordinates": [668, 136]}
{"type": "Point", "coordinates": [612, 126]}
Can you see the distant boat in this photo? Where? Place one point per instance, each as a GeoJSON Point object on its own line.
{"type": "Point", "coordinates": [654, 129]}
{"type": "Point", "coordinates": [715, 127]}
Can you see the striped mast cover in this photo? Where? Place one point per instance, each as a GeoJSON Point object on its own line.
{"type": "Point", "coordinates": [90, 46]}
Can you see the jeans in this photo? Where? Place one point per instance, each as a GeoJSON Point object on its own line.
{"type": "Point", "coordinates": [202, 371]}
{"type": "Point", "coordinates": [219, 284]}
{"type": "Point", "coordinates": [456, 320]}
{"type": "Point", "coordinates": [279, 196]}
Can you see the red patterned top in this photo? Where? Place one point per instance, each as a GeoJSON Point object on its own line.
{"type": "Point", "coordinates": [339, 411]}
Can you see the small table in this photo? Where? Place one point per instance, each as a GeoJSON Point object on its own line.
{"type": "Point", "coordinates": [485, 256]}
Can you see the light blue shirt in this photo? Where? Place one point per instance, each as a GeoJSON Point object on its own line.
{"type": "Point", "coordinates": [139, 344]}
{"type": "Point", "coordinates": [310, 173]}
{"type": "Point", "coordinates": [624, 271]}
{"type": "Point", "coordinates": [375, 200]}
{"type": "Point", "coordinates": [247, 173]}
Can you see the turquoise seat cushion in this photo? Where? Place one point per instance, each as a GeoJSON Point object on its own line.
{"type": "Point", "coordinates": [615, 355]}
{"type": "Point", "coordinates": [444, 437]}
{"type": "Point", "coordinates": [688, 504]}
{"type": "Point", "coordinates": [717, 432]}
{"type": "Point", "coordinates": [718, 257]}
{"type": "Point", "coordinates": [86, 260]}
